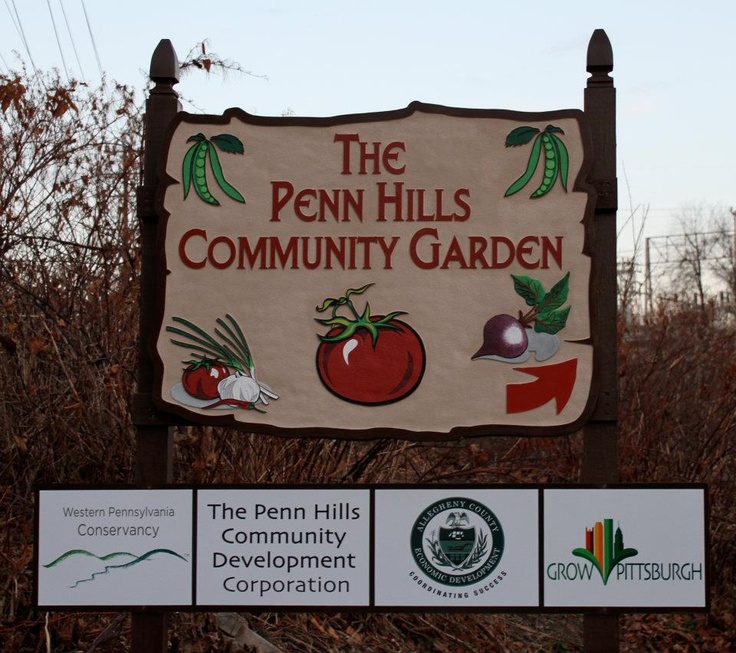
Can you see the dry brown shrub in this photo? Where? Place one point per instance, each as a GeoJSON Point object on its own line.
{"type": "Point", "coordinates": [678, 425]}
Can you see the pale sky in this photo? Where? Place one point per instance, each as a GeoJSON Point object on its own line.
{"type": "Point", "coordinates": [673, 69]}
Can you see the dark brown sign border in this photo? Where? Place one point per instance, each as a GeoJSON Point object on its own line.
{"type": "Point", "coordinates": [581, 184]}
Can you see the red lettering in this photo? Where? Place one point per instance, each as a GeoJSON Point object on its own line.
{"type": "Point", "coordinates": [230, 250]}
{"type": "Point", "coordinates": [335, 251]}
{"type": "Point", "coordinates": [554, 252]}
{"type": "Point", "coordinates": [391, 153]}
{"type": "Point", "coordinates": [460, 195]}
{"type": "Point", "coordinates": [316, 204]}
{"type": "Point", "coordinates": [302, 202]}
{"type": "Point", "coordinates": [284, 254]}
{"type": "Point", "coordinates": [371, 156]}
{"type": "Point", "coordinates": [478, 246]}
{"type": "Point", "coordinates": [346, 139]}
{"type": "Point", "coordinates": [367, 241]}
{"type": "Point", "coordinates": [385, 199]}
{"type": "Point", "coordinates": [495, 261]}
{"type": "Point", "coordinates": [454, 255]}
{"type": "Point", "coordinates": [422, 216]}
{"type": "Point", "coordinates": [419, 206]}
{"type": "Point", "coordinates": [523, 249]}
{"type": "Point", "coordinates": [195, 265]}
{"type": "Point", "coordinates": [388, 250]}
{"type": "Point", "coordinates": [439, 195]}
{"type": "Point", "coordinates": [279, 201]}
{"type": "Point", "coordinates": [252, 255]}
{"type": "Point", "coordinates": [312, 265]}
{"type": "Point", "coordinates": [434, 248]}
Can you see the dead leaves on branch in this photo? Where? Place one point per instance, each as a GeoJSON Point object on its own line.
{"type": "Point", "coordinates": [59, 101]}
{"type": "Point", "coordinates": [201, 58]}
{"type": "Point", "coordinates": [14, 93]}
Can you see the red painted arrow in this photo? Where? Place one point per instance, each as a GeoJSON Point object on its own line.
{"type": "Point", "coordinates": [552, 382]}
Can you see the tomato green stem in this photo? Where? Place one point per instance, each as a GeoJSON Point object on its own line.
{"type": "Point", "coordinates": [350, 326]}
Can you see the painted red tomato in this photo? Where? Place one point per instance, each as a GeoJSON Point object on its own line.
{"type": "Point", "coordinates": [364, 371]}
{"type": "Point", "coordinates": [200, 378]}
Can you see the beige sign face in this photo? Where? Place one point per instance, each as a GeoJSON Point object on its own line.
{"type": "Point", "coordinates": [419, 272]}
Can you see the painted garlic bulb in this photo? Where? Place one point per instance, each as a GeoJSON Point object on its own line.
{"type": "Point", "coordinates": [241, 387]}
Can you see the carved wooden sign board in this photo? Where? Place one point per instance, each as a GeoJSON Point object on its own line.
{"type": "Point", "coordinates": [414, 273]}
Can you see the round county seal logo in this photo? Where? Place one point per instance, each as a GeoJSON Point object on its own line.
{"type": "Point", "coordinates": [457, 541]}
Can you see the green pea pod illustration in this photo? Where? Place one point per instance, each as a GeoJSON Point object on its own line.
{"type": "Point", "coordinates": [530, 168]}
{"type": "Point", "coordinates": [194, 166]}
{"type": "Point", "coordinates": [187, 167]}
{"type": "Point", "coordinates": [551, 166]}
{"type": "Point", "coordinates": [229, 190]}
{"type": "Point", "coordinates": [199, 174]}
{"type": "Point", "coordinates": [564, 158]}
{"type": "Point", "coordinates": [556, 159]}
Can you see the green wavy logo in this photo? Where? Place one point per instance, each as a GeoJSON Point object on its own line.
{"type": "Point", "coordinates": [127, 560]}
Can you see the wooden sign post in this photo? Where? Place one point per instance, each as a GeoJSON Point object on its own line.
{"type": "Point", "coordinates": [600, 452]}
{"type": "Point", "coordinates": [154, 437]}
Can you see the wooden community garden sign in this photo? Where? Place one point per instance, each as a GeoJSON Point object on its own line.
{"type": "Point", "coordinates": [419, 272]}
{"type": "Point", "coordinates": [428, 272]}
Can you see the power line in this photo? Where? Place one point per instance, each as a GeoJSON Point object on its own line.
{"type": "Point", "coordinates": [92, 38]}
{"type": "Point", "coordinates": [5, 63]}
{"type": "Point", "coordinates": [71, 38]}
{"type": "Point", "coordinates": [19, 28]}
{"type": "Point", "coordinates": [58, 41]}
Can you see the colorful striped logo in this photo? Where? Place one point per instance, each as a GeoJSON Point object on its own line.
{"type": "Point", "coordinates": [604, 548]}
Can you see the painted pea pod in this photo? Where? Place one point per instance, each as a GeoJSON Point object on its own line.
{"type": "Point", "coordinates": [551, 166]}
{"type": "Point", "coordinates": [563, 157]}
{"type": "Point", "coordinates": [199, 173]}
{"type": "Point", "coordinates": [531, 166]}
{"type": "Point", "coordinates": [219, 176]}
{"type": "Point", "coordinates": [187, 167]}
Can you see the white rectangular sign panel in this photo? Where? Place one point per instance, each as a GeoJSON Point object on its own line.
{"type": "Point", "coordinates": [282, 547]}
{"type": "Point", "coordinates": [114, 548]}
{"type": "Point", "coordinates": [457, 547]}
{"type": "Point", "coordinates": [625, 548]}
{"type": "Point", "coordinates": [373, 547]}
